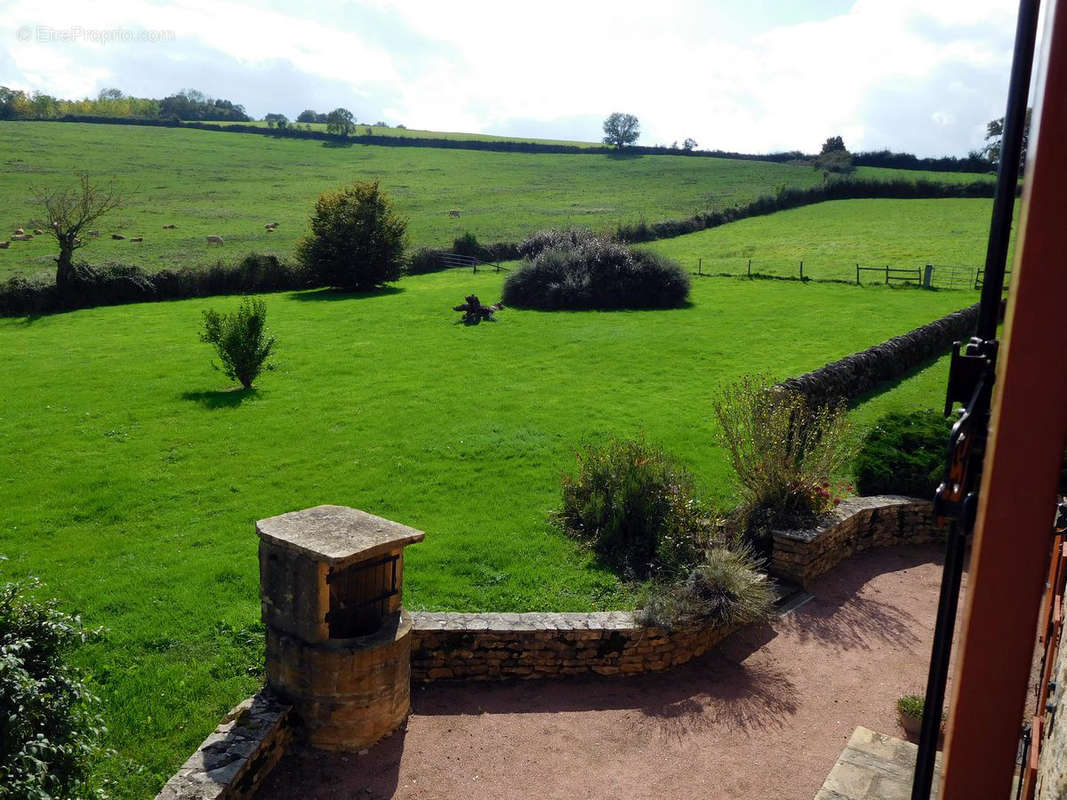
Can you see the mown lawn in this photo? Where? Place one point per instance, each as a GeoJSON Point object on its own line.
{"type": "Point", "coordinates": [832, 237]}
{"type": "Point", "coordinates": [213, 183]}
{"type": "Point", "coordinates": [132, 475]}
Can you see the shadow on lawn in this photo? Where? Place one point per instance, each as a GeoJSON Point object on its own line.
{"type": "Point", "coordinates": [322, 295]}
{"type": "Point", "coordinates": [225, 398]}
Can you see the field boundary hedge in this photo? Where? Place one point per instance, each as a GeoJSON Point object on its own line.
{"type": "Point", "coordinates": [882, 158]}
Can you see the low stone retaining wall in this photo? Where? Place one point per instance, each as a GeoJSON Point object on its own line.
{"type": "Point", "coordinates": [854, 526]}
{"type": "Point", "coordinates": [542, 645]}
{"type": "Point", "coordinates": [237, 756]}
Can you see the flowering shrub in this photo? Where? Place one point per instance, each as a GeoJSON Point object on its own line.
{"type": "Point", "coordinates": [635, 507]}
{"type": "Point", "coordinates": [783, 451]}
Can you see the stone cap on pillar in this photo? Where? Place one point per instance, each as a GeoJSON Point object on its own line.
{"type": "Point", "coordinates": [336, 535]}
{"type": "Point", "coordinates": [331, 572]}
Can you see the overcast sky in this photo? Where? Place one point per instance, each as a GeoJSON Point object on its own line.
{"type": "Point", "coordinates": [922, 76]}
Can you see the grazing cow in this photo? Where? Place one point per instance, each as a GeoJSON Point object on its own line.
{"type": "Point", "coordinates": [38, 232]}
{"type": "Point", "coordinates": [136, 238]}
{"type": "Point", "coordinates": [170, 227]}
{"type": "Point", "coordinates": [269, 227]}
{"type": "Point", "coordinates": [215, 240]}
{"type": "Point", "coordinates": [94, 233]}
{"type": "Point", "coordinates": [19, 231]}
{"type": "Point", "coordinates": [117, 236]}
{"type": "Point", "coordinates": [273, 224]}
{"type": "Point", "coordinates": [5, 245]}
{"type": "Point", "coordinates": [454, 212]}
{"type": "Point", "coordinates": [21, 237]}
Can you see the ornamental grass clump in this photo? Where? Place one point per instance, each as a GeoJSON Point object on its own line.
{"type": "Point", "coordinates": [635, 507]}
{"type": "Point", "coordinates": [726, 589]}
{"type": "Point", "coordinates": [784, 452]}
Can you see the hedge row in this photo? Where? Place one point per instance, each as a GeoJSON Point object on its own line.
{"type": "Point", "coordinates": [794, 197]}
{"type": "Point", "coordinates": [862, 372]}
{"type": "Point", "coordinates": [117, 284]}
{"type": "Point", "coordinates": [883, 158]}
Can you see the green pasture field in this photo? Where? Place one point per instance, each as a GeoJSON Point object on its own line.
{"type": "Point", "coordinates": [212, 183]}
{"type": "Point", "coordinates": [832, 237]}
{"type": "Point", "coordinates": [132, 474]}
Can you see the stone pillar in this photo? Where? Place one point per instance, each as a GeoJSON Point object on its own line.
{"type": "Point", "coordinates": [338, 638]}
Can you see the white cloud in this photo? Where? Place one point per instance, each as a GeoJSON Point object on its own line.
{"type": "Point", "coordinates": [686, 68]}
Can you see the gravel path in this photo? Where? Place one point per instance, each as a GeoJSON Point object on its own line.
{"type": "Point", "coordinates": [763, 716]}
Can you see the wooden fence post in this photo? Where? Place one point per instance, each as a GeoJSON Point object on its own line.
{"type": "Point", "coordinates": [802, 270]}
{"type": "Point", "coordinates": [857, 274]}
{"type": "Point", "coordinates": [750, 268]}
{"type": "Point", "coordinates": [886, 274]}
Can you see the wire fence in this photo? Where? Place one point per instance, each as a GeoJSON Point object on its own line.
{"type": "Point", "coordinates": [931, 276]}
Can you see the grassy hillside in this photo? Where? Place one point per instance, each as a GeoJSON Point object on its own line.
{"type": "Point", "coordinates": [219, 183]}
{"type": "Point", "coordinates": [132, 477]}
{"type": "Point", "coordinates": [831, 238]}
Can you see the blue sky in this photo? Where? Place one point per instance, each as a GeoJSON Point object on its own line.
{"type": "Point", "coordinates": [753, 76]}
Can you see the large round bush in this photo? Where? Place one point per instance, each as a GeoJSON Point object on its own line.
{"type": "Point", "coordinates": [357, 239]}
{"type": "Point", "coordinates": [596, 273]}
{"type": "Point", "coordinates": [903, 454]}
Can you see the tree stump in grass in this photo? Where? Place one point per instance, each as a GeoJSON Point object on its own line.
{"type": "Point", "coordinates": [474, 312]}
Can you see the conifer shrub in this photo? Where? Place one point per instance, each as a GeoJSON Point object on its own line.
{"type": "Point", "coordinates": [904, 453]}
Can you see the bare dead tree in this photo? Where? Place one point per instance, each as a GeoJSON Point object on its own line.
{"type": "Point", "coordinates": [67, 211]}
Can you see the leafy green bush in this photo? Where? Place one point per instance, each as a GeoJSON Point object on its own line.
{"type": "Point", "coordinates": [783, 451]}
{"type": "Point", "coordinates": [903, 454]}
{"type": "Point", "coordinates": [728, 588]}
{"type": "Point", "coordinates": [241, 340]}
{"type": "Point", "coordinates": [596, 273]}
{"type": "Point", "coordinates": [634, 506]}
{"type": "Point", "coordinates": [49, 728]}
{"type": "Point", "coordinates": [357, 239]}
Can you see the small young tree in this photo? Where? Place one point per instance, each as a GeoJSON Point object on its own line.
{"type": "Point", "coordinates": [689, 144]}
{"type": "Point", "coordinates": [241, 340]}
{"type": "Point", "coordinates": [67, 212]}
{"type": "Point", "coordinates": [357, 239]}
{"type": "Point", "coordinates": [621, 129]}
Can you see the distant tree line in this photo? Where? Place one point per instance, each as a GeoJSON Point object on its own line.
{"type": "Point", "coordinates": [186, 105]}
{"type": "Point", "coordinates": [193, 108]}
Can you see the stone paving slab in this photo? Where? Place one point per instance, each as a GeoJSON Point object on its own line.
{"type": "Point", "coordinates": [874, 766]}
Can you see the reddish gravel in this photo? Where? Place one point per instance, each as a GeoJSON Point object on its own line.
{"type": "Point", "coordinates": [763, 716]}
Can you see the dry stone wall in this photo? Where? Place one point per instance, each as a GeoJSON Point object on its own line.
{"type": "Point", "coordinates": [236, 757]}
{"type": "Point", "coordinates": [857, 524]}
{"type": "Point", "coordinates": [542, 645]}
{"type": "Point", "coordinates": [862, 372]}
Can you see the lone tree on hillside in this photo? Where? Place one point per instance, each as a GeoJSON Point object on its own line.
{"type": "Point", "coordinates": [621, 129]}
{"type": "Point", "coordinates": [689, 144]}
{"type": "Point", "coordinates": [67, 212]}
{"type": "Point", "coordinates": [357, 240]}
{"type": "Point", "coordinates": [994, 132]}
{"type": "Point", "coordinates": [341, 121]}
{"type": "Point", "coordinates": [834, 157]}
